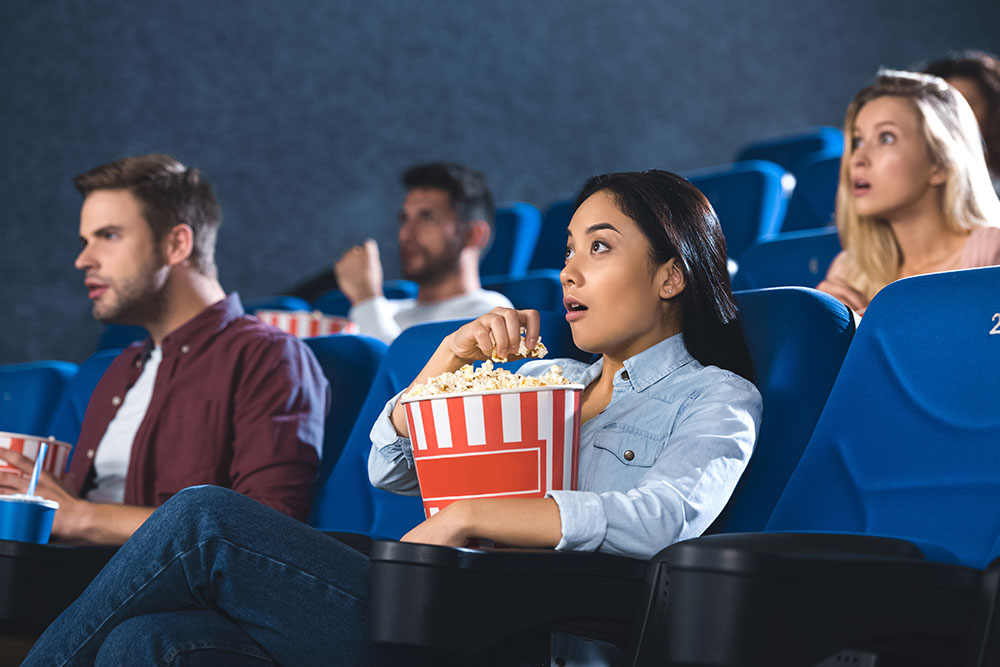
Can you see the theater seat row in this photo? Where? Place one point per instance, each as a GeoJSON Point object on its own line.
{"type": "Point", "coordinates": [899, 476]}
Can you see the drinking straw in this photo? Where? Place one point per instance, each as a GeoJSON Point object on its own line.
{"type": "Point", "coordinates": [38, 468]}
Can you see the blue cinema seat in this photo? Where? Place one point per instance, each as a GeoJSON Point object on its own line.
{"type": "Point", "coordinates": [748, 197]}
{"type": "Point", "coordinates": [118, 336]}
{"type": "Point", "coordinates": [797, 339]}
{"type": "Point", "coordinates": [349, 364]}
{"type": "Point", "coordinates": [793, 258]}
{"type": "Point", "coordinates": [550, 250]}
{"type": "Point", "coordinates": [334, 302]}
{"type": "Point", "coordinates": [788, 150]}
{"type": "Point", "coordinates": [515, 234]}
{"type": "Point", "coordinates": [813, 200]}
{"type": "Point", "coordinates": [886, 538]}
{"type": "Point", "coordinates": [348, 503]}
{"type": "Point", "coordinates": [29, 393]}
{"type": "Point", "coordinates": [280, 302]}
{"type": "Point", "coordinates": [67, 418]}
{"type": "Point", "coordinates": [539, 289]}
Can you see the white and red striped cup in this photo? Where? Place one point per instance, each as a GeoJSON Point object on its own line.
{"type": "Point", "coordinates": [507, 443]}
{"type": "Point", "coordinates": [306, 324]}
{"type": "Point", "coordinates": [28, 445]}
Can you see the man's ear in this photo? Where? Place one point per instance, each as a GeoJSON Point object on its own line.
{"type": "Point", "coordinates": [670, 278]}
{"type": "Point", "coordinates": [477, 234]}
{"type": "Point", "coordinates": [178, 244]}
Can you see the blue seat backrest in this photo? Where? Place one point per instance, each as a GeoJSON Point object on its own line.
{"type": "Point", "coordinates": [280, 302]}
{"type": "Point", "coordinates": [351, 503]}
{"type": "Point", "coordinates": [515, 234]}
{"type": "Point", "coordinates": [349, 364]}
{"type": "Point", "coordinates": [550, 251]}
{"type": "Point", "coordinates": [797, 338]}
{"type": "Point", "coordinates": [748, 197]}
{"type": "Point", "coordinates": [539, 289]}
{"type": "Point", "coordinates": [814, 197]}
{"type": "Point", "coordinates": [909, 442]}
{"type": "Point", "coordinates": [335, 302]}
{"type": "Point", "coordinates": [68, 417]}
{"type": "Point", "coordinates": [117, 336]}
{"type": "Point", "coordinates": [788, 150]}
{"type": "Point", "coordinates": [29, 394]}
{"type": "Point", "coordinates": [796, 258]}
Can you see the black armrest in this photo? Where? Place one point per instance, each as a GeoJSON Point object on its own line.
{"type": "Point", "coordinates": [791, 599]}
{"type": "Point", "coordinates": [357, 541]}
{"type": "Point", "coordinates": [468, 600]}
{"type": "Point", "coordinates": [38, 581]}
{"type": "Point", "coordinates": [984, 639]}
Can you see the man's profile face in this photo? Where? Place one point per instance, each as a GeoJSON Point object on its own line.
{"type": "Point", "coordinates": [125, 268]}
{"type": "Point", "coordinates": [430, 239]}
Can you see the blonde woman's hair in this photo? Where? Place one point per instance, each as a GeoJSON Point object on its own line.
{"type": "Point", "coordinates": [953, 142]}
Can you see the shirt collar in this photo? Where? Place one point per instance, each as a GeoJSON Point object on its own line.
{"type": "Point", "coordinates": [657, 362]}
{"type": "Point", "coordinates": [199, 329]}
{"type": "Point", "coordinates": [644, 369]}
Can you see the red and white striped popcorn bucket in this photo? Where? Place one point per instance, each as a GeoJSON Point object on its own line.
{"type": "Point", "coordinates": [506, 443]}
{"type": "Point", "coordinates": [306, 324]}
{"type": "Point", "coordinates": [55, 458]}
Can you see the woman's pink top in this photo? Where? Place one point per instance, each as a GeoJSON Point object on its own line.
{"type": "Point", "coordinates": [981, 249]}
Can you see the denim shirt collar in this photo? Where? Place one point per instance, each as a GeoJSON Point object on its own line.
{"type": "Point", "coordinates": [646, 368]}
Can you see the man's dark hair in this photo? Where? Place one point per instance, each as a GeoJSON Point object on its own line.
{"type": "Point", "coordinates": [983, 69]}
{"type": "Point", "coordinates": [466, 188]}
{"type": "Point", "coordinates": [170, 194]}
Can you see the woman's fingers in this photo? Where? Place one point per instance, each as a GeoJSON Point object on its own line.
{"type": "Point", "coordinates": [497, 333]}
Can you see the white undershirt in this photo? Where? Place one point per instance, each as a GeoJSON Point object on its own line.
{"type": "Point", "coordinates": [115, 448]}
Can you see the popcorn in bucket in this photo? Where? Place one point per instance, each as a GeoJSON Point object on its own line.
{"type": "Point", "coordinates": [28, 445]}
{"type": "Point", "coordinates": [306, 324]}
{"type": "Point", "coordinates": [515, 442]}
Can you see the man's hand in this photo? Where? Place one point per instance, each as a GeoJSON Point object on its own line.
{"type": "Point", "coordinates": [359, 272]}
{"type": "Point", "coordinates": [76, 519]}
{"type": "Point", "coordinates": [70, 507]}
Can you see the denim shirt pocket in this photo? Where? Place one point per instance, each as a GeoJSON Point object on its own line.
{"type": "Point", "coordinates": [632, 446]}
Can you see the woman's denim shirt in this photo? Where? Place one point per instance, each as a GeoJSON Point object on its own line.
{"type": "Point", "coordinates": [656, 466]}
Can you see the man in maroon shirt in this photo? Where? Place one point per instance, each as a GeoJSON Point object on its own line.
{"type": "Point", "coordinates": [212, 397]}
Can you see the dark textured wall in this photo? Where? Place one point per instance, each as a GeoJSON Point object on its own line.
{"type": "Point", "coordinates": [303, 113]}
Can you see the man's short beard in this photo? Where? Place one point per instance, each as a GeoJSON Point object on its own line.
{"type": "Point", "coordinates": [141, 299]}
{"type": "Point", "coordinates": [436, 269]}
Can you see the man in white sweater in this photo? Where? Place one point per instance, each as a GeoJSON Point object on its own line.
{"type": "Point", "coordinates": [444, 227]}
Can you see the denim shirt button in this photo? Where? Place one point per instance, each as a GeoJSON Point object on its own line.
{"type": "Point", "coordinates": [629, 455]}
{"type": "Point", "coordinates": [625, 375]}
{"type": "Point", "coordinates": [561, 662]}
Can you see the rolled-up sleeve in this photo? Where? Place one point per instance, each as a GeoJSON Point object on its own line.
{"type": "Point", "coordinates": [685, 488]}
{"type": "Point", "coordinates": [390, 460]}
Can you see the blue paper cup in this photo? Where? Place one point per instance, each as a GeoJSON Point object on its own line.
{"type": "Point", "coordinates": [26, 518]}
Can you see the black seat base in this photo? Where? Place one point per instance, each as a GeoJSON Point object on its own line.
{"type": "Point", "coordinates": [470, 601]}
{"type": "Point", "coordinates": [38, 581]}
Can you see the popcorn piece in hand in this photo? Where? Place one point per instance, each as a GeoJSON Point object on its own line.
{"type": "Point", "coordinates": [537, 352]}
{"type": "Point", "coordinates": [485, 378]}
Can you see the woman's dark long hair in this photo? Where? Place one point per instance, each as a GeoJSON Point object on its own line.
{"type": "Point", "coordinates": [679, 223]}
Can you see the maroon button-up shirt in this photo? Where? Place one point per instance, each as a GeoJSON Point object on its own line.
{"type": "Point", "coordinates": [236, 403]}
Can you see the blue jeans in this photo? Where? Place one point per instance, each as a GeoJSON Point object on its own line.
{"type": "Point", "coordinates": [215, 578]}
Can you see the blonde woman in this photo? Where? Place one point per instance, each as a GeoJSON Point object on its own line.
{"type": "Point", "coordinates": [915, 195]}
